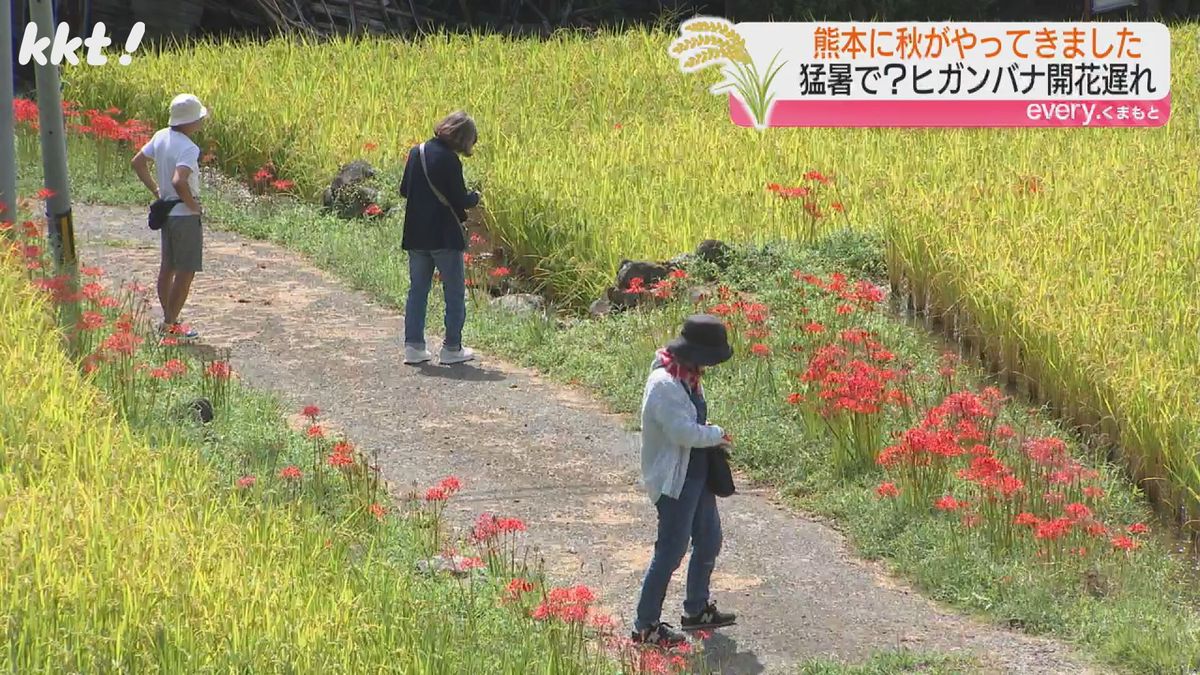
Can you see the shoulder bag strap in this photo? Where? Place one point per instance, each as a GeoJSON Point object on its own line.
{"type": "Point", "coordinates": [436, 192]}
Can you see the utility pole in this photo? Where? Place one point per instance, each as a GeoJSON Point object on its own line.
{"type": "Point", "coordinates": [59, 224]}
{"type": "Point", "coordinates": [8, 130]}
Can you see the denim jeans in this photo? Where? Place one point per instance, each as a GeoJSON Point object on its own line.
{"type": "Point", "coordinates": [449, 263]}
{"type": "Point", "coordinates": [693, 516]}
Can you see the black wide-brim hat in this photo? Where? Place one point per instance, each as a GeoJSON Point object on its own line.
{"type": "Point", "coordinates": [702, 342]}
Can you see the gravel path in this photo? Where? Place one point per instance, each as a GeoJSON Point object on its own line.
{"type": "Point", "coordinates": [546, 453]}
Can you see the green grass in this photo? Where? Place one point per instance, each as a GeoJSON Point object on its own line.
{"type": "Point", "coordinates": [895, 663]}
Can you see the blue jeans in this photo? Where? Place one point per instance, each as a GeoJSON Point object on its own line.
{"type": "Point", "coordinates": [693, 516]}
{"type": "Point", "coordinates": [449, 264]}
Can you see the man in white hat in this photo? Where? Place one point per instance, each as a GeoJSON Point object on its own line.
{"type": "Point", "coordinates": [176, 160]}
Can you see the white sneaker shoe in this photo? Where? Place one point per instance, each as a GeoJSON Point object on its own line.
{"type": "Point", "coordinates": [413, 356]}
{"type": "Point", "coordinates": [448, 357]}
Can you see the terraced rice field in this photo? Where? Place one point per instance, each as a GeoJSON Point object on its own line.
{"type": "Point", "coordinates": [1071, 254]}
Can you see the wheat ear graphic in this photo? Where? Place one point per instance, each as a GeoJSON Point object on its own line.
{"type": "Point", "coordinates": [713, 42]}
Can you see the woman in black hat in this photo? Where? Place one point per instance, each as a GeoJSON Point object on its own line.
{"type": "Point", "coordinates": [675, 439]}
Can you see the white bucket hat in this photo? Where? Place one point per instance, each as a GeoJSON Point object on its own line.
{"type": "Point", "coordinates": [185, 109]}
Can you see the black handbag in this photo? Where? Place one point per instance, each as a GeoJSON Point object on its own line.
{"type": "Point", "coordinates": [160, 210]}
{"type": "Point", "coordinates": [720, 475]}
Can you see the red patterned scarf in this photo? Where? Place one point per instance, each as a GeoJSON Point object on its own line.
{"type": "Point", "coordinates": [686, 374]}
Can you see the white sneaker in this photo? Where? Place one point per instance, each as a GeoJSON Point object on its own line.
{"type": "Point", "coordinates": [463, 355]}
{"type": "Point", "coordinates": [413, 356]}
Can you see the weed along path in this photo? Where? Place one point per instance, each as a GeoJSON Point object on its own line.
{"type": "Point", "coordinates": [544, 453]}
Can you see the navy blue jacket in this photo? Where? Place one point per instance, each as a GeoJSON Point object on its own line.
{"type": "Point", "coordinates": [429, 224]}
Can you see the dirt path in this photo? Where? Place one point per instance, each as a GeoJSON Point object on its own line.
{"type": "Point", "coordinates": [545, 453]}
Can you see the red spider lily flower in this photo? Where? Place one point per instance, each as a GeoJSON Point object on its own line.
{"type": "Point", "coordinates": [1077, 511]}
{"type": "Point", "coordinates": [678, 274]}
{"type": "Point", "coordinates": [370, 146]}
{"type": "Point", "coordinates": [108, 302]}
{"type": "Point", "coordinates": [887, 490]}
{"type": "Point", "coordinates": [31, 251]}
{"type": "Point", "coordinates": [516, 588]}
{"type": "Point", "coordinates": [1124, 543]}
{"type": "Point", "coordinates": [486, 529]}
{"type": "Point", "coordinates": [795, 398]}
{"type": "Point", "coordinates": [569, 605]}
{"type": "Point", "coordinates": [1138, 528]}
{"type": "Point", "coordinates": [311, 412]}
{"type": "Point", "coordinates": [760, 350]}
{"type": "Point", "coordinates": [838, 206]}
{"type": "Point", "coordinates": [176, 366]}
{"type": "Point", "coordinates": [91, 320]}
{"type": "Point", "coordinates": [91, 363]}
{"type": "Point", "coordinates": [246, 482]}
{"type": "Point", "coordinates": [1026, 519]}
{"type": "Point", "coordinates": [721, 310]}
{"type": "Point", "coordinates": [5, 225]}
{"type": "Point", "coordinates": [435, 494]}
{"type": "Point", "coordinates": [758, 333]}
{"type": "Point", "coordinates": [467, 564]}
{"type": "Point", "coordinates": [618, 126]}
{"type": "Point", "coordinates": [373, 210]}
{"type": "Point", "coordinates": [844, 309]}
{"type": "Point", "coordinates": [264, 174]}
{"type": "Point", "coordinates": [377, 510]}
{"type": "Point", "coordinates": [92, 291]}
{"type": "Point", "coordinates": [636, 285]}
{"type": "Point", "coordinates": [813, 210]}
{"type": "Point", "coordinates": [169, 341]}
{"type": "Point", "coordinates": [1093, 492]}
{"type": "Point", "coordinates": [340, 460]}
{"type": "Point", "coordinates": [663, 289]}
{"type": "Point", "coordinates": [283, 185]}
{"type": "Point", "coordinates": [510, 525]}
{"type": "Point", "coordinates": [45, 193]}
{"type": "Point", "coordinates": [883, 356]}
{"type": "Point", "coordinates": [160, 374]}
{"type": "Point", "coordinates": [468, 259]}
{"type": "Point", "coordinates": [1052, 529]}
{"type": "Point", "coordinates": [476, 240]}
{"type": "Point", "coordinates": [122, 343]}
{"type": "Point", "coordinates": [948, 503]}
{"type": "Point", "coordinates": [219, 370]}
{"type": "Point", "coordinates": [814, 327]}
{"type": "Point", "coordinates": [314, 431]}
{"type": "Point", "coordinates": [450, 484]}
{"type": "Point", "coordinates": [1096, 529]}
{"type": "Point", "coordinates": [291, 473]}
{"type": "Point", "coordinates": [774, 187]}
{"type": "Point", "coordinates": [500, 272]}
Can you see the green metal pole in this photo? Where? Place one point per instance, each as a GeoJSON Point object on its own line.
{"type": "Point", "coordinates": [59, 223]}
{"type": "Point", "coordinates": [8, 147]}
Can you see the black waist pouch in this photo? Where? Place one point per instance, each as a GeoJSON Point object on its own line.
{"type": "Point", "coordinates": [159, 210]}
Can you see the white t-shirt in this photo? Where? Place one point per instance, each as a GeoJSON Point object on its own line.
{"type": "Point", "coordinates": [169, 149]}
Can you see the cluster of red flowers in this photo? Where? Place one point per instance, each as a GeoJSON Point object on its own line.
{"type": "Point", "coordinates": [808, 193]}
{"type": "Point", "coordinates": [341, 456]}
{"type": "Point", "coordinates": [489, 527]}
{"type": "Point", "coordinates": [100, 124]}
{"type": "Point", "coordinates": [265, 177]}
{"type": "Point", "coordinates": [170, 369]}
{"type": "Point", "coordinates": [847, 381]}
{"type": "Point", "coordinates": [569, 605]}
{"type": "Point", "coordinates": [862, 293]}
{"type": "Point", "coordinates": [443, 490]}
{"type": "Point", "coordinates": [662, 289]}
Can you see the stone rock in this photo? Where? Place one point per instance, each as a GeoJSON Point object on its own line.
{"type": "Point", "coordinates": [520, 303]}
{"type": "Point", "coordinates": [713, 251]}
{"type": "Point", "coordinates": [600, 308]}
{"type": "Point", "coordinates": [649, 272]}
{"type": "Point", "coordinates": [346, 193]}
{"type": "Point", "coordinates": [699, 294]}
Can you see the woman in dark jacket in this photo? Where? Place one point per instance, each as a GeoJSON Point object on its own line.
{"type": "Point", "coordinates": [434, 236]}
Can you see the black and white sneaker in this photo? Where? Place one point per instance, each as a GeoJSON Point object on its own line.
{"type": "Point", "coordinates": [660, 635]}
{"type": "Point", "coordinates": [707, 619]}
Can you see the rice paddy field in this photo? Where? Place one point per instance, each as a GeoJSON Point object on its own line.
{"type": "Point", "coordinates": [1071, 255]}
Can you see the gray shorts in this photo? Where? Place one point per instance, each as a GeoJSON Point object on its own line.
{"type": "Point", "coordinates": [182, 244]}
